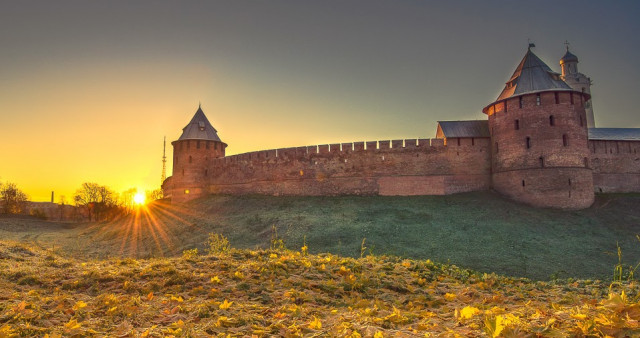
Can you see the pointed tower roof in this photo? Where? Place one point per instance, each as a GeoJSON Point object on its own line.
{"type": "Point", "coordinates": [532, 75]}
{"type": "Point", "coordinates": [199, 128]}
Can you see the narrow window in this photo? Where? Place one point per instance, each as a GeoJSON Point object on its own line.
{"type": "Point", "coordinates": [569, 182]}
{"type": "Point", "coordinates": [557, 98]}
{"type": "Point", "coordinates": [190, 159]}
{"type": "Point", "coordinates": [565, 140]}
{"type": "Point", "coordinates": [541, 161]}
{"type": "Point", "coordinates": [473, 141]}
{"type": "Point", "coordinates": [523, 183]}
{"type": "Point", "coordinates": [537, 99]}
{"type": "Point", "coordinates": [552, 121]}
{"type": "Point", "coordinates": [571, 97]}
{"type": "Point", "coordinates": [458, 141]}
{"type": "Point", "coordinates": [520, 102]}
{"type": "Point", "coordinates": [528, 142]}
{"type": "Point", "coordinates": [505, 106]}
{"type": "Point", "coordinates": [517, 125]}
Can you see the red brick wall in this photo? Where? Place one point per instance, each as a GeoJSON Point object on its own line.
{"type": "Point", "coordinates": [556, 152]}
{"type": "Point", "coordinates": [399, 167]}
{"type": "Point", "coordinates": [616, 165]}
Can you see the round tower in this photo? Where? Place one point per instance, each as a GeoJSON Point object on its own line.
{"type": "Point", "coordinates": [578, 82]}
{"type": "Point", "coordinates": [192, 155]}
{"type": "Point", "coordinates": [539, 139]}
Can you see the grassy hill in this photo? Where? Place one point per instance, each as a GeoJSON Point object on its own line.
{"type": "Point", "coordinates": [480, 231]}
{"type": "Point", "coordinates": [285, 293]}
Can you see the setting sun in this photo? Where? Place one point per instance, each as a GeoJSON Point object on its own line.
{"type": "Point", "coordinates": [139, 198]}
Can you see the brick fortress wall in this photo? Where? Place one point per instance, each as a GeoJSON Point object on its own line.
{"type": "Point", "coordinates": [399, 167]}
{"type": "Point", "coordinates": [616, 165]}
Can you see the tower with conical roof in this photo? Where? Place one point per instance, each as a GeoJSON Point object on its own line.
{"type": "Point", "coordinates": [193, 152]}
{"type": "Point", "coordinates": [577, 81]}
{"type": "Point", "coordinates": [539, 139]}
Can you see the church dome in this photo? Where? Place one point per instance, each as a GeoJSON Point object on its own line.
{"type": "Point", "coordinates": [568, 57]}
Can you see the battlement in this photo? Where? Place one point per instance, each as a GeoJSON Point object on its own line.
{"type": "Point", "coordinates": [362, 147]}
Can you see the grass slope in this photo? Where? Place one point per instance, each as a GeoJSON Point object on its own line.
{"type": "Point", "coordinates": [285, 293]}
{"type": "Point", "coordinates": [481, 231]}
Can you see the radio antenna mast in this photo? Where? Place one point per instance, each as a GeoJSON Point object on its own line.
{"type": "Point", "coordinates": [164, 161]}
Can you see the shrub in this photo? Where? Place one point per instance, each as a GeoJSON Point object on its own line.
{"type": "Point", "coordinates": [190, 254]}
{"type": "Point", "coordinates": [217, 244]}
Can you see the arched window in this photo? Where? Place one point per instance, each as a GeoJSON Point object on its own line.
{"type": "Point", "coordinates": [523, 183]}
{"type": "Point", "coordinates": [517, 125]}
{"type": "Point", "coordinates": [541, 162]}
{"type": "Point", "coordinates": [528, 142]}
{"type": "Point", "coordinates": [552, 121]}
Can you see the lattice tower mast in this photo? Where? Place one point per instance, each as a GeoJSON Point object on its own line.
{"type": "Point", "coordinates": [164, 161]}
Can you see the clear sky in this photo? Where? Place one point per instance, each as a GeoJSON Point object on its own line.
{"type": "Point", "coordinates": [88, 89]}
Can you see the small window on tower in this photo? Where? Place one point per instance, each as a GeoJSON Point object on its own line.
{"type": "Point", "coordinates": [520, 102]}
{"type": "Point", "coordinates": [517, 125]}
{"type": "Point", "coordinates": [537, 99]}
{"type": "Point", "coordinates": [528, 142]}
{"type": "Point", "coordinates": [552, 120]}
{"type": "Point", "coordinates": [557, 98]}
{"type": "Point", "coordinates": [201, 125]}
{"type": "Point", "coordinates": [565, 140]}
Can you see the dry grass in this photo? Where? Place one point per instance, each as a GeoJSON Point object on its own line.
{"type": "Point", "coordinates": [287, 293]}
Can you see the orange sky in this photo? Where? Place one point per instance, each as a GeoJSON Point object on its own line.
{"type": "Point", "coordinates": [89, 89]}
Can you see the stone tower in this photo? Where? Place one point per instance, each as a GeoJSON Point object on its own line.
{"type": "Point", "coordinates": [539, 139]}
{"type": "Point", "coordinates": [577, 81]}
{"type": "Point", "coordinates": [192, 155]}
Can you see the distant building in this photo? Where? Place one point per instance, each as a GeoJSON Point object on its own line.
{"type": "Point", "coordinates": [536, 147]}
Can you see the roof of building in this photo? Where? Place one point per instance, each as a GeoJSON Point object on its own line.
{"type": "Point", "coordinates": [199, 129]}
{"type": "Point", "coordinates": [471, 128]}
{"type": "Point", "coordinates": [615, 134]}
{"type": "Point", "coordinates": [532, 75]}
{"type": "Point", "coordinates": [568, 56]}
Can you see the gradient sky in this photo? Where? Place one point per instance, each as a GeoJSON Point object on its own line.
{"type": "Point", "coordinates": [88, 89]}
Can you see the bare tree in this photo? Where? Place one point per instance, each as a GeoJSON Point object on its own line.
{"type": "Point", "coordinates": [98, 201]}
{"type": "Point", "coordinates": [153, 195]}
{"type": "Point", "coordinates": [13, 199]}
